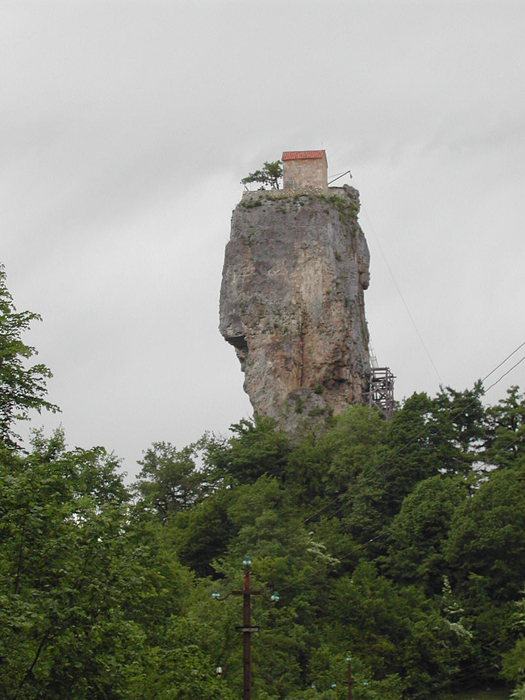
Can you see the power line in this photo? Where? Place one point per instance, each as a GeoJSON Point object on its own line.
{"type": "Point", "coordinates": [401, 449]}
{"type": "Point", "coordinates": [401, 295]}
{"type": "Point", "coordinates": [305, 577]}
{"type": "Point", "coordinates": [417, 437]}
{"type": "Point", "coordinates": [417, 329]}
{"type": "Point", "coordinates": [505, 374]}
{"type": "Point", "coordinates": [503, 362]}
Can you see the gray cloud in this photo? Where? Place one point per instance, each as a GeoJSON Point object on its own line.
{"type": "Point", "coordinates": [126, 127]}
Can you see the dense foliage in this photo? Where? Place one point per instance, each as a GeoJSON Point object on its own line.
{"type": "Point", "coordinates": [401, 542]}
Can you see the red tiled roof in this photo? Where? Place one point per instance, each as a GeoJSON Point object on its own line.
{"type": "Point", "coordinates": [302, 155]}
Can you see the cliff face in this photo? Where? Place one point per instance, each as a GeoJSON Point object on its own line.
{"type": "Point", "coordinates": [292, 301]}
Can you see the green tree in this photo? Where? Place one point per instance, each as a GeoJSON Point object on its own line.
{"type": "Point", "coordinates": [329, 464]}
{"type": "Point", "coordinates": [169, 479]}
{"type": "Point", "coordinates": [421, 441]}
{"type": "Point", "coordinates": [202, 533]}
{"type": "Point", "coordinates": [505, 439]}
{"type": "Point", "coordinates": [270, 174]}
{"type": "Point", "coordinates": [487, 537]}
{"type": "Point", "coordinates": [419, 531]}
{"type": "Point", "coordinates": [22, 387]}
{"type": "Point", "coordinates": [289, 557]}
{"type": "Point", "coordinates": [182, 668]}
{"type": "Point", "coordinates": [466, 413]}
{"type": "Point", "coordinates": [513, 666]}
{"type": "Point", "coordinates": [395, 629]}
{"type": "Point", "coordinates": [257, 447]}
{"type": "Point", "coordinates": [69, 574]}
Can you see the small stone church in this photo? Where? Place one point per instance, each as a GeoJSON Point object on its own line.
{"type": "Point", "coordinates": [305, 170]}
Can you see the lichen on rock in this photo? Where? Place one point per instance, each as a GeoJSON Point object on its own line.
{"type": "Point", "coordinates": [292, 302]}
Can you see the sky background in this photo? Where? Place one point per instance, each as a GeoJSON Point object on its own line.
{"type": "Point", "coordinates": [126, 126]}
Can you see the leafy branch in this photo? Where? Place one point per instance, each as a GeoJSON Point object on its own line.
{"type": "Point", "coordinates": [270, 175]}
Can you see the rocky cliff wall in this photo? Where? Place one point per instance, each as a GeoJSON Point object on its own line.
{"type": "Point", "coordinates": [292, 302]}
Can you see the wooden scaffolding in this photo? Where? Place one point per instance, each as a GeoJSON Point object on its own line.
{"type": "Point", "coordinates": [381, 390]}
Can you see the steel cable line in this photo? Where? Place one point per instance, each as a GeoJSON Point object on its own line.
{"type": "Point", "coordinates": [401, 295]}
{"type": "Point", "coordinates": [305, 577]}
{"type": "Point", "coordinates": [423, 432]}
{"type": "Point", "coordinates": [402, 448]}
{"type": "Point", "coordinates": [505, 374]}
{"type": "Point", "coordinates": [502, 363]}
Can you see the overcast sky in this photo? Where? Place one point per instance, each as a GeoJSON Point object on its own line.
{"type": "Point", "coordinates": [125, 127]}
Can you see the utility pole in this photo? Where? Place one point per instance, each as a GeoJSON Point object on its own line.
{"type": "Point", "coordinates": [246, 629]}
{"type": "Point", "coordinates": [349, 661]}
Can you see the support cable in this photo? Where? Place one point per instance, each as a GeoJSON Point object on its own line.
{"type": "Point", "coordinates": [502, 363]}
{"type": "Point", "coordinates": [401, 296]}
{"type": "Point", "coordinates": [504, 375]}
{"type": "Point", "coordinates": [401, 449]}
